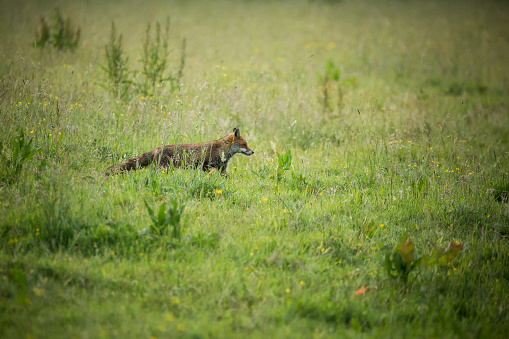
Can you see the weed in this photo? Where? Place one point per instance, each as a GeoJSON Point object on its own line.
{"type": "Point", "coordinates": [154, 59]}
{"type": "Point", "coordinates": [330, 82]}
{"type": "Point", "coordinates": [22, 150]}
{"type": "Point", "coordinates": [402, 261]}
{"type": "Point", "coordinates": [116, 66]}
{"type": "Point", "coordinates": [167, 221]}
{"type": "Point", "coordinates": [62, 35]}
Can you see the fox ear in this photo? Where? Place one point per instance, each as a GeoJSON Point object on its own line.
{"type": "Point", "coordinates": [236, 133]}
{"type": "Point", "coordinates": [232, 138]}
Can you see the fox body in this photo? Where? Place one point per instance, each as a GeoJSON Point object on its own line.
{"type": "Point", "coordinates": [208, 155]}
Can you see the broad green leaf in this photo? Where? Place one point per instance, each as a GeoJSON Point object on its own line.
{"type": "Point", "coordinates": [161, 215]}
{"type": "Point", "coordinates": [450, 253]}
{"type": "Point", "coordinates": [406, 250]}
{"type": "Point", "coordinates": [435, 254]}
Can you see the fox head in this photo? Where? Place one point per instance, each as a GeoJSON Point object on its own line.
{"type": "Point", "coordinates": [238, 144]}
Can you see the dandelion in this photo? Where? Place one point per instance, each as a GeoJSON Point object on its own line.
{"type": "Point", "coordinates": [32, 131]}
{"type": "Point", "coordinates": [265, 199]}
{"type": "Point", "coordinates": [218, 192]}
{"type": "Point", "coordinates": [251, 253]}
{"type": "Point", "coordinates": [85, 260]}
{"type": "Point", "coordinates": [175, 300]}
{"type": "Point", "coordinates": [323, 249]}
{"type": "Point", "coordinates": [382, 108]}
{"type": "Point", "coordinates": [381, 225]}
{"type": "Point", "coordinates": [287, 290]}
{"type": "Point", "coordinates": [256, 247]}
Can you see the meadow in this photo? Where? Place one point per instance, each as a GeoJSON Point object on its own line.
{"type": "Point", "coordinates": [371, 122]}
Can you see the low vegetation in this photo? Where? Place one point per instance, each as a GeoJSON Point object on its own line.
{"type": "Point", "coordinates": [375, 204]}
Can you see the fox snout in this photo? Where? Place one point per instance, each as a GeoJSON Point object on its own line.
{"type": "Point", "coordinates": [246, 152]}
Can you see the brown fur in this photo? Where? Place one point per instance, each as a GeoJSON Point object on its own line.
{"type": "Point", "coordinates": [208, 155]}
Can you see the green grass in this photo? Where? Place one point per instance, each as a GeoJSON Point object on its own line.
{"type": "Point", "coordinates": [418, 143]}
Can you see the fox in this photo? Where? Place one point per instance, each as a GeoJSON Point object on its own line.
{"type": "Point", "coordinates": [212, 155]}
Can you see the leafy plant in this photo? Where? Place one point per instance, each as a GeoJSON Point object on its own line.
{"type": "Point", "coordinates": [42, 36]}
{"type": "Point", "coordinates": [402, 261]}
{"type": "Point", "coordinates": [62, 34]}
{"type": "Point", "coordinates": [22, 151]}
{"type": "Point", "coordinates": [329, 81]}
{"type": "Point", "coordinates": [167, 221]}
{"type": "Point", "coordinates": [284, 163]}
{"type": "Point", "coordinates": [116, 65]}
{"type": "Point", "coordinates": [155, 59]}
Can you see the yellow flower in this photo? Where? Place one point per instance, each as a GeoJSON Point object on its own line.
{"type": "Point", "coordinates": [265, 199]}
{"type": "Point", "coordinates": [287, 290]}
{"type": "Point", "coordinates": [175, 300]}
{"type": "Point", "coordinates": [381, 225]}
{"type": "Point", "coordinates": [32, 131]}
{"type": "Point", "coordinates": [302, 282]}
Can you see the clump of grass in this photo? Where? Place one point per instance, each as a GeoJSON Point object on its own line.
{"type": "Point", "coordinates": [61, 34]}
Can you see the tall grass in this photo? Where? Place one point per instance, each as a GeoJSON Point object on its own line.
{"type": "Point", "coordinates": [415, 140]}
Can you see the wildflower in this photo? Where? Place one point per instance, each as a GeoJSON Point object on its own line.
{"type": "Point", "coordinates": [382, 108]}
{"type": "Point", "coordinates": [265, 199]}
{"type": "Point", "coordinates": [381, 225]}
{"type": "Point", "coordinates": [251, 253]}
{"type": "Point", "coordinates": [85, 260]}
{"type": "Point", "coordinates": [32, 131]}
{"type": "Point", "coordinates": [302, 282]}
{"type": "Point", "coordinates": [175, 300]}
{"type": "Point", "coordinates": [287, 290]}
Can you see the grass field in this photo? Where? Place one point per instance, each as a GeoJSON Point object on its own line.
{"type": "Point", "coordinates": [396, 117]}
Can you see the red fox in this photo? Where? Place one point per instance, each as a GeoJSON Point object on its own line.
{"type": "Point", "coordinates": [208, 155]}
